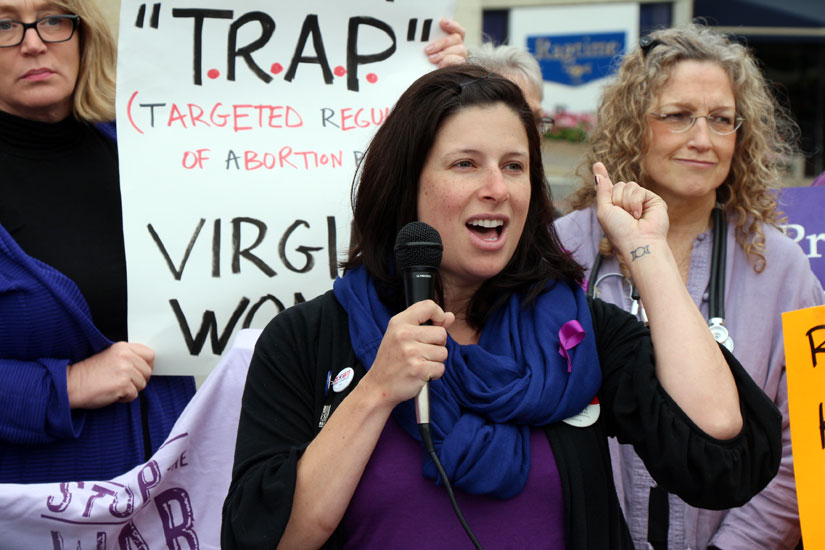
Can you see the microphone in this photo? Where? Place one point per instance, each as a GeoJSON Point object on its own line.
{"type": "Point", "coordinates": [417, 256]}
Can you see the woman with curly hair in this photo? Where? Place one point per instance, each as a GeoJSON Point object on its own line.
{"type": "Point", "coordinates": [691, 117]}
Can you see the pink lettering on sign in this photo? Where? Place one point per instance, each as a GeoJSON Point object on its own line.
{"type": "Point", "coordinates": [352, 119]}
{"type": "Point", "coordinates": [195, 159]}
{"type": "Point", "coordinates": [287, 157]}
{"type": "Point", "coordinates": [239, 117]}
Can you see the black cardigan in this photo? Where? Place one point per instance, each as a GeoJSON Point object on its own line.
{"type": "Point", "coordinates": [284, 399]}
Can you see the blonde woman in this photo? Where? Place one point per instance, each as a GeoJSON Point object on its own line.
{"type": "Point", "coordinates": [79, 401]}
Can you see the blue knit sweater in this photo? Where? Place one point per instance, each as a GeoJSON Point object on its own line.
{"type": "Point", "coordinates": [46, 324]}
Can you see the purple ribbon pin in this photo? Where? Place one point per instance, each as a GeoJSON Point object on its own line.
{"type": "Point", "coordinates": [570, 335]}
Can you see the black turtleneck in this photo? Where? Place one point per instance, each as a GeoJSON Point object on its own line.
{"type": "Point", "coordinates": [60, 200]}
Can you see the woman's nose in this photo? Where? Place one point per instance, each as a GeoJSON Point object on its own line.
{"type": "Point", "coordinates": [700, 134]}
{"type": "Point", "coordinates": [32, 41]}
{"type": "Point", "coordinates": [494, 187]}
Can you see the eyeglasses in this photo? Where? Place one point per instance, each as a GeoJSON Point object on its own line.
{"type": "Point", "coordinates": [545, 124]}
{"type": "Point", "coordinates": [683, 121]}
{"type": "Point", "coordinates": [52, 28]}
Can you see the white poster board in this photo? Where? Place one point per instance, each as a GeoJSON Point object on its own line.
{"type": "Point", "coordinates": [240, 124]}
{"type": "Point", "coordinates": [585, 25]}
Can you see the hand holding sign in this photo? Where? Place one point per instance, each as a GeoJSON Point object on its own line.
{"type": "Point", "coordinates": [116, 374]}
{"type": "Point", "coordinates": [450, 49]}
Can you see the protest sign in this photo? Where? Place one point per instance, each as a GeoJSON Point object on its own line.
{"type": "Point", "coordinates": [803, 207]}
{"type": "Point", "coordinates": [240, 126]}
{"type": "Point", "coordinates": [172, 501]}
{"type": "Point", "coordinates": [804, 333]}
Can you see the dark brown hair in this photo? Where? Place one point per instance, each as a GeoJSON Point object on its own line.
{"type": "Point", "coordinates": [385, 196]}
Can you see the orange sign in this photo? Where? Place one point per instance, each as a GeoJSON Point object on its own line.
{"type": "Point", "coordinates": [804, 332]}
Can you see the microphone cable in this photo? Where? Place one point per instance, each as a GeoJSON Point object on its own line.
{"type": "Point", "coordinates": [418, 251]}
{"type": "Point", "coordinates": [424, 430]}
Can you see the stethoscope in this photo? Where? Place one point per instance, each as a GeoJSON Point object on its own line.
{"type": "Point", "coordinates": [716, 287]}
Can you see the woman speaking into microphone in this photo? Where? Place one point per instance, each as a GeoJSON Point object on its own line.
{"type": "Point", "coordinates": [527, 376]}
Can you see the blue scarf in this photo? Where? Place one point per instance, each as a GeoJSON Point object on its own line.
{"type": "Point", "coordinates": [531, 367]}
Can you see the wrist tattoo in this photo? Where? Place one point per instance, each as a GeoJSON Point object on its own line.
{"type": "Point", "coordinates": [639, 252]}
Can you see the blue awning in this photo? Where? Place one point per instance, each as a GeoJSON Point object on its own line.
{"type": "Point", "coordinates": [801, 14]}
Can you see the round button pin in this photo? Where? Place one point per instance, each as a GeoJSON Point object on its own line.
{"type": "Point", "coordinates": [586, 418]}
{"type": "Point", "coordinates": [343, 379]}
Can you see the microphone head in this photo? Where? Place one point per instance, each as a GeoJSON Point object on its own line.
{"type": "Point", "coordinates": [417, 244]}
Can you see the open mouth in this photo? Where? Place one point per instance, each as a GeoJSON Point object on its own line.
{"type": "Point", "coordinates": [488, 230]}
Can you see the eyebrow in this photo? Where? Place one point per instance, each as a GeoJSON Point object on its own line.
{"type": "Point", "coordinates": [477, 152]}
{"type": "Point", "coordinates": [38, 6]}
{"type": "Point", "coordinates": [686, 105]}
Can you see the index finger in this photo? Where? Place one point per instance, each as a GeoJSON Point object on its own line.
{"type": "Point", "coordinates": [604, 186]}
{"type": "Point", "coordinates": [455, 37]}
{"type": "Point", "coordinates": [422, 312]}
{"type": "Point", "coordinates": [144, 370]}
{"type": "Point", "coordinates": [451, 26]}
{"type": "Point", "coordinates": [440, 46]}
{"type": "Point", "coordinates": [143, 351]}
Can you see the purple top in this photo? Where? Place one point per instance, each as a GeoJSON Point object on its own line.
{"type": "Point", "coordinates": [753, 307]}
{"type": "Point", "coordinates": [424, 517]}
